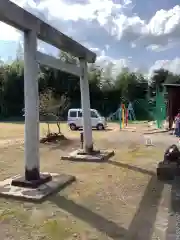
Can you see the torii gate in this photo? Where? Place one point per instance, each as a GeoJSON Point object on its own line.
{"type": "Point", "coordinates": [34, 28]}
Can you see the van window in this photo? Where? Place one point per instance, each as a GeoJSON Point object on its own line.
{"type": "Point", "coordinates": [93, 114]}
{"type": "Point", "coordinates": [72, 114]}
{"type": "Point", "coordinates": [79, 114]}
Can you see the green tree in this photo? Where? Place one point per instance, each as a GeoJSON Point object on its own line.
{"type": "Point", "coordinates": [131, 86]}
{"type": "Point", "coordinates": [13, 88]}
{"type": "Point", "coordinates": [159, 77]}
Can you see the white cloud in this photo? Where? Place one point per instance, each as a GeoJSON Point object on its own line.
{"type": "Point", "coordinates": [116, 66]}
{"type": "Point", "coordinates": [159, 48]}
{"type": "Point", "coordinates": [77, 20]}
{"type": "Point", "coordinates": [133, 45]}
{"type": "Point", "coordinates": [97, 23]}
{"type": "Point", "coordinates": [96, 50]}
{"type": "Point", "coordinates": [8, 33]}
{"type": "Point", "coordinates": [113, 66]}
{"type": "Point", "coordinates": [23, 3]}
{"type": "Point", "coordinates": [165, 22]}
{"type": "Point", "coordinates": [171, 65]}
{"type": "Point", "coordinates": [153, 47]}
{"type": "Point", "coordinates": [100, 10]}
{"type": "Point", "coordinates": [161, 29]}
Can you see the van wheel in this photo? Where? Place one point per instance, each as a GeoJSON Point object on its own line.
{"type": "Point", "coordinates": [100, 126]}
{"type": "Point", "coordinates": [72, 126]}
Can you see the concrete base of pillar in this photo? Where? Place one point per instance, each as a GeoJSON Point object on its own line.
{"type": "Point", "coordinates": [22, 182]}
{"type": "Point", "coordinates": [58, 182]}
{"type": "Point", "coordinates": [95, 156]}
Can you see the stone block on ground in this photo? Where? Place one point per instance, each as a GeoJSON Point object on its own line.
{"type": "Point", "coordinates": [58, 182]}
{"type": "Point", "coordinates": [96, 156]}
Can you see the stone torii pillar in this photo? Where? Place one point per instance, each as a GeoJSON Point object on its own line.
{"type": "Point", "coordinates": [85, 102]}
{"type": "Point", "coordinates": [88, 153]}
{"type": "Point", "coordinates": [31, 97]}
{"type": "Point", "coordinates": [32, 177]}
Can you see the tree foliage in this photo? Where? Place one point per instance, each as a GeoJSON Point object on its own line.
{"type": "Point", "coordinates": [60, 89]}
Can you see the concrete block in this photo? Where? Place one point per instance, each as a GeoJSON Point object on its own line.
{"type": "Point", "coordinates": [58, 182]}
{"type": "Point", "coordinates": [97, 156]}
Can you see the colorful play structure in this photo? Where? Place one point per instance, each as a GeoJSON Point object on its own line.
{"type": "Point", "coordinates": [126, 114]}
{"type": "Point", "coordinates": [160, 109]}
{"type": "Point", "coordinates": [123, 115]}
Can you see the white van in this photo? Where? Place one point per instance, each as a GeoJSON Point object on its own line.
{"type": "Point", "coordinates": [75, 119]}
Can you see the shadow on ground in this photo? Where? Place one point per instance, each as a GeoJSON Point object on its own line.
{"type": "Point", "coordinates": [102, 224]}
{"type": "Point", "coordinates": [140, 228]}
{"type": "Point", "coordinates": [146, 214]}
{"type": "Point", "coordinates": [173, 230]}
{"type": "Point", "coordinates": [131, 167]}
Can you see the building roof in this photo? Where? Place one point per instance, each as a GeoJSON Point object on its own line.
{"type": "Point", "coordinates": [21, 19]}
{"type": "Point", "coordinates": [176, 85]}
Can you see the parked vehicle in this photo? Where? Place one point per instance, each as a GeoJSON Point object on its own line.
{"type": "Point", "coordinates": [75, 119]}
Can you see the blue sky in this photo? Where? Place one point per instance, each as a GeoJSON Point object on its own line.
{"type": "Point", "coordinates": [140, 34]}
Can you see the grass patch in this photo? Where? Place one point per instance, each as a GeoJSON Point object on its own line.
{"type": "Point", "coordinates": [56, 229]}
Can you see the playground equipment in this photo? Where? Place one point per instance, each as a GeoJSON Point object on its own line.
{"type": "Point", "coordinates": [126, 114]}
{"type": "Point", "coordinates": [123, 115]}
{"type": "Point", "coordinates": [160, 109]}
{"type": "Point", "coordinates": [131, 114]}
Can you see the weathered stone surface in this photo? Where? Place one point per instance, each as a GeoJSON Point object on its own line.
{"type": "Point", "coordinates": [58, 182]}
{"type": "Point", "coordinates": [78, 155]}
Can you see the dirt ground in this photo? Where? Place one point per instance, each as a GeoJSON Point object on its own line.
{"type": "Point", "coordinates": [118, 199]}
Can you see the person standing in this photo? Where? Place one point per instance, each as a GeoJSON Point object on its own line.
{"type": "Point", "coordinates": [177, 125]}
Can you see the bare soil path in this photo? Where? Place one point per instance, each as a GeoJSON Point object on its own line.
{"type": "Point", "coordinates": [118, 199]}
